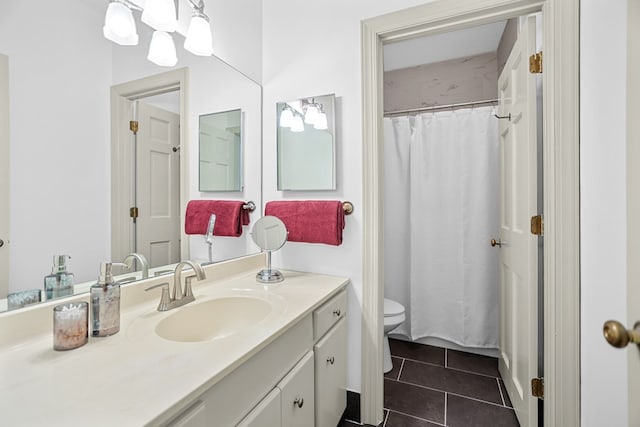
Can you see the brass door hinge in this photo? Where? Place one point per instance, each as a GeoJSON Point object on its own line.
{"type": "Point", "coordinates": [535, 63]}
{"type": "Point", "coordinates": [537, 387]}
{"type": "Point", "coordinates": [133, 212]}
{"type": "Point", "coordinates": [133, 126]}
{"type": "Point", "coordinates": [537, 225]}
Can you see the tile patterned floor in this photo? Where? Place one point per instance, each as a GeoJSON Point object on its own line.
{"type": "Point", "coordinates": [432, 386]}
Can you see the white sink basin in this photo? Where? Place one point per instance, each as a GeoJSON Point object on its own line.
{"type": "Point", "coordinates": [213, 319]}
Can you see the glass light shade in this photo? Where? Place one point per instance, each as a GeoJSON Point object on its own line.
{"type": "Point", "coordinates": [311, 116]}
{"type": "Point", "coordinates": [286, 118]}
{"type": "Point", "coordinates": [162, 51]}
{"type": "Point", "coordinates": [160, 15]}
{"type": "Point", "coordinates": [119, 26]}
{"type": "Point", "coordinates": [199, 40]}
{"type": "Point", "coordinates": [321, 121]}
{"type": "Point", "coordinates": [297, 125]}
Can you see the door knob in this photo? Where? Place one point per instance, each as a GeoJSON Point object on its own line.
{"type": "Point", "coordinates": [1, 243]}
{"type": "Point", "coordinates": [618, 336]}
{"type": "Point", "coordinates": [495, 243]}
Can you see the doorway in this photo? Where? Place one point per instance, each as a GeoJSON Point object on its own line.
{"type": "Point", "coordinates": [560, 177]}
{"type": "Point", "coordinates": [149, 175]}
{"type": "Point", "coordinates": [453, 126]}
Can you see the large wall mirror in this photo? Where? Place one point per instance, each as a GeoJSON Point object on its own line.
{"type": "Point", "coordinates": [307, 144]}
{"type": "Point", "coordinates": [220, 151]}
{"type": "Point", "coordinates": [60, 137]}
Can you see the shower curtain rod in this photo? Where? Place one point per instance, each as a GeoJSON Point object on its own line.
{"type": "Point", "coordinates": [438, 107]}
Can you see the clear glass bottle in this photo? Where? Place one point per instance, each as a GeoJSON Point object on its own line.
{"type": "Point", "coordinates": [105, 303]}
{"type": "Point", "coordinates": [60, 282]}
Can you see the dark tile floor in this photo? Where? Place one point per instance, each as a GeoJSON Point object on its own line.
{"type": "Point", "coordinates": [432, 386]}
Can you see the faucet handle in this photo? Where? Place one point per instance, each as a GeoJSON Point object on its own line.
{"type": "Point", "coordinates": [165, 300]}
{"type": "Point", "coordinates": [188, 292]}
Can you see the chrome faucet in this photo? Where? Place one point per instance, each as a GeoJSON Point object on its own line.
{"type": "Point", "coordinates": [144, 265]}
{"type": "Point", "coordinates": [179, 297]}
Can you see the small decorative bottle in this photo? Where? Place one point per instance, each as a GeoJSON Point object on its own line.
{"type": "Point", "coordinates": [105, 303]}
{"type": "Point", "coordinates": [59, 283]}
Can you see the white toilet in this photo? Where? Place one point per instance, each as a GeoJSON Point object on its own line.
{"type": "Point", "coordinates": [393, 317]}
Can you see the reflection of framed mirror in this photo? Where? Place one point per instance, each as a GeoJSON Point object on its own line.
{"type": "Point", "coordinates": [307, 144]}
{"type": "Point", "coordinates": [220, 142]}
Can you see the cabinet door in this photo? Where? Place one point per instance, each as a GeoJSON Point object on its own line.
{"type": "Point", "coordinates": [331, 376]}
{"type": "Point", "coordinates": [297, 395]}
{"type": "Point", "coordinates": [194, 416]}
{"type": "Point", "coordinates": [266, 414]}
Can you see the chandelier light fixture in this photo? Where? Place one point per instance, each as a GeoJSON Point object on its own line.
{"type": "Point", "coordinates": [161, 15]}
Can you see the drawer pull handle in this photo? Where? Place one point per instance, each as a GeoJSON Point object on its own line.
{"type": "Point", "coordinates": [299, 402]}
{"type": "Point", "coordinates": [331, 360]}
{"type": "Point", "coordinates": [337, 312]}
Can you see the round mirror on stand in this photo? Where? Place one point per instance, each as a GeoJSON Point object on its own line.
{"type": "Point", "coordinates": [270, 234]}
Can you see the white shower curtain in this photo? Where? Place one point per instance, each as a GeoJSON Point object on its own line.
{"type": "Point", "coordinates": [441, 211]}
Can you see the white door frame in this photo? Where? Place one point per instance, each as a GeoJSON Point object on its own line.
{"type": "Point", "coordinates": [561, 187]}
{"type": "Point", "coordinates": [122, 97]}
{"type": "Point", "coordinates": [633, 201]}
{"type": "Point", "coordinates": [5, 179]}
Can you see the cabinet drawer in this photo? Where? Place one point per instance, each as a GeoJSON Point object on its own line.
{"type": "Point", "coordinates": [327, 315]}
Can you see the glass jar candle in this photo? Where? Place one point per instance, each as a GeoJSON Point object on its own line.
{"type": "Point", "coordinates": [70, 325]}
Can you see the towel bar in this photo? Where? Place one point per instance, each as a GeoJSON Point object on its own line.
{"type": "Point", "coordinates": [347, 207]}
{"type": "Point", "coordinates": [249, 206]}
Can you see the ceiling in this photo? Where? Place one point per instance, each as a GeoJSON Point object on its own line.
{"type": "Point", "coordinates": [442, 47]}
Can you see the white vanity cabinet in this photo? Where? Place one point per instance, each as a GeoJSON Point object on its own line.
{"type": "Point", "coordinates": [298, 380]}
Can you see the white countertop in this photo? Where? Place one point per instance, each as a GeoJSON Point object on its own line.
{"type": "Point", "coordinates": [135, 376]}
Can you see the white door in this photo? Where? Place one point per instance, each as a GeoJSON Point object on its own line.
{"type": "Point", "coordinates": [4, 176]}
{"type": "Point", "coordinates": [218, 164]}
{"type": "Point", "coordinates": [158, 185]}
{"type": "Point", "coordinates": [518, 203]}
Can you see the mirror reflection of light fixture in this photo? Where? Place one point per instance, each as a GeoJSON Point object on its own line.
{"type": "Point", "coordinates": [321, 120]}
{"type": "Point", "coordinates": [162, 51]}
{"type": "Point", "coordinates": [311, 114]}
{"type": "Point", "coordinates": [160, 15]}
{"type": "Point", "coordinates": [199, 39]}
{"type": "Point", "coordinates": [286, 117]}
{"type": "Point", "coordinates": [297, 125]}
{"type": "Point", "coordinates": [119, 26]}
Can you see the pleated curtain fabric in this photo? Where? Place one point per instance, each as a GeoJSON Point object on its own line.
{"type": "Point", "coordinates": [441, 210]}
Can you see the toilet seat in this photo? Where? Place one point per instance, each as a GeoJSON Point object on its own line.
{"type": "Point", "coordinates": [392, 308]}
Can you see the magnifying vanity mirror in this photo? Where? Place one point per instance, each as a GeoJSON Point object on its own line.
{"type": "Point", "coordinates": [220, 149]}
{"type": "Point", "coordinates": [270, 234]}
{"type": "Point", "coordinates": [307, 144]}
{"type": "Point", "coordinates": [59, 142]}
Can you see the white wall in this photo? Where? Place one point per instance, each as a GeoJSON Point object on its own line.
{"type": "Point", "coordinates": [317, 62]}
{"type": "Point", "coordinates": [603, 207]}
{"type": "Point", "coordinates": [213, 87]}
{"type": "Point", "coordinates": [60, 72]}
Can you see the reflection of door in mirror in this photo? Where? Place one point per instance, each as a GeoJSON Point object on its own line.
{"type": "Point", "coordinates": [220, 141]}
{"type": "Point", "coordinates": [4, 175]}
{"type": "Point", "coordinates": [157, 184]}
{"type": "Point", "coordinates": [146, 169]}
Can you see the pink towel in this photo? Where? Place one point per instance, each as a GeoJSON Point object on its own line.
{"type": "Point", "coordinates": [310, 221]}
{"type": "Point", "coordinates": [230, 217]}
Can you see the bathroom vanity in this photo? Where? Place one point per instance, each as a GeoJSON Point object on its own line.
{"type": "Point", "coordinates": [242, 354]}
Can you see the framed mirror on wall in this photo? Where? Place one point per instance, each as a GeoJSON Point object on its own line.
{"type": "Point", "coordinates": [306, 141]}
{"type": "Point", "coordinates": [220, 151]}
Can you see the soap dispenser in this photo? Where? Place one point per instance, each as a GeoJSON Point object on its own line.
{"type": "Point", "coordinates": [59, 283]}
{"type": "Point", "coordinates": [105, 302]}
